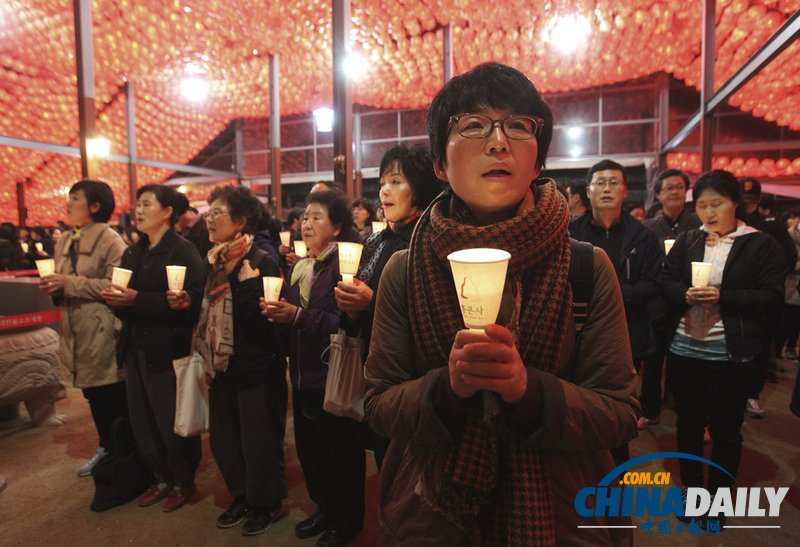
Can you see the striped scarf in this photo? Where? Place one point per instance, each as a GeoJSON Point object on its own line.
{"type": "Point", "coordinates": [494, 487]}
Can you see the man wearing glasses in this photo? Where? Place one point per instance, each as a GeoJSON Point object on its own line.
{"type": "Point", "coordinates": [633, 249]}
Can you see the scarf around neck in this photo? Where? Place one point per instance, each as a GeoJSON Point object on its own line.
{"type": "Point", "coordinates": [307, 269]}
{"type": "Point", "coordinates": [494, 487]}
{"type": "Point", "coordinates": [213, 336]}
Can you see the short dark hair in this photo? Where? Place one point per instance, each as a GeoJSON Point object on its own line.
{"type": "Point", "coordinates": [578, 188]}
{"type": "Point", "coordinates": [338, 208]}
{"type": "Point", "coordinates": [97, 192]}
{"type": "Point", "coordinates": [166, 197]}
{"type": "Point", "coordinates": [653, 210]}
{"type": "Point", "coordinates": [490, 85]}
{"type": "Point", "coordinates": [294, 214]}
{"type": "Point", "coordinates": [671, 173]}
{"type": "Point", "coordinates": [367, 205]}
{"type": "Point", "coordinates": [723, 183]}
{"type": "Point", "coordinates": [241, 202]}
{"type": "Point", "coordinates": [417, 167]}
{"type": "Point", "coordinates": [181, 204]}
{"type": "Point", "coordinates": [607, 165]}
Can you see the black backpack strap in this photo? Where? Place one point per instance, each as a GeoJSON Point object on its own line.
{"type": "Point", "coordinates": [581, 278]}
{"type": "Point", "coordinates": [258, 256]}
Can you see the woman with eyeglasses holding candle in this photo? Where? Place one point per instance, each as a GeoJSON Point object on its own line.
{"type": "Point", "coordinates": [408, 185]}
{"type": "Point", "coordinates": [156, 332]}
{"type": "Point", "coordinates": [720, 328]}
{"type": "Point", "coordinates": [245, 354]}
{"type": "Point", "coordinates": [495, 432]}
{"type": "Point", "coordinates": [332, 460]}
{"type": "Point", "coordinates": [84, 261]}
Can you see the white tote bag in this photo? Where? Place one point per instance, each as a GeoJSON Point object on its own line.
{"type": "Point", "coordinates": [346, 385]}
{"type": "Point", "coordinates": [191, 402]}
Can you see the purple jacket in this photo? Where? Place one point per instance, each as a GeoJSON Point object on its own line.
{"type": "Point", "coordinates": [311, 333]}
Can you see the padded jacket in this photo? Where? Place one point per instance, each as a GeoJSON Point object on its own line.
{"type": "Point", "coordinates": [575, 416]}
{"type": "Point", "coordinates": [751, 293]}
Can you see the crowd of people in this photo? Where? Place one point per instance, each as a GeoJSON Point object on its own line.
{"type": "Point", "coordinates": [480, 437]}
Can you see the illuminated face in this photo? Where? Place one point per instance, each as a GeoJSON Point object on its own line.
{"type": "Point", "coordinates": [717, 212]}
{"type": "Point", "coordinates": [318, 231]}
{"type": "Point", "coordinates": [78, 211]}
{"type": "Point", "coordinates": [221, 226]}
{"type": "Point", "coordinates": [673, 192]}
{"type": "Point", "coordinates": [150, 215]}
{"type": "Point", "coordinates": [607, 190]}
{"type": "Point", "coordinates": [493, 174]}
{"type": "Point", "coordinates": [396, 194]}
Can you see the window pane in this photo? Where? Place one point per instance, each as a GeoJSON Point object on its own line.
{"type": "Point", "coordinates": [255, 137]}
{"type": "Point", "coordinates": [324, 137]}
{"type": "Point", "coordinates": [297, 161]}
{"type": "Point", "coordinates": [629, 139]}
{"type": "Point", "coordinates": [632, 105]}
{"type": "Point", "coordinates": [574, 142]}
{"type": "Point", "coordinates": [256, 165]}
{"type": "Point", "coordinates": [573, 109]}
{"type": "Point", "coordinates": [746, 128]}
{"type": "Point", "coordinates": [297, 134]}
{"type": "Point", "coordinates": [371, 154]}
{"type": "Point", "coordinates": [325, 159]}
{"type": "Point", "coordinates": [412, 123]}
{"type": "Point", "coordinates": [378, 126]}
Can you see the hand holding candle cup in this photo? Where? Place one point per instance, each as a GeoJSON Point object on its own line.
{"type": "Point", "coordinates": [349, 260]}
{"type": "Point", "coordinates": [120, 277]}
{"type": "Point", "coordinates": [701, 273]}
{"type": "Point", "coordinates": [479, 276]}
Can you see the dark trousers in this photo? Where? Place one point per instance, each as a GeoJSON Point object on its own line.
{"type": "Point", "coordinates": [715, 394]}
{"type": "Point", "coordinates": [107, 403]}
{"type": "Point", "coordinates": [332, 459]}
{"type": "Point", "coordinates": [788, 329]}
{"type": "Point", "coordinates": [151, 404]}
{"type": "Point", "coordinates": [246, 427]}
{"type": "Point", "coordinates": [650, 397]}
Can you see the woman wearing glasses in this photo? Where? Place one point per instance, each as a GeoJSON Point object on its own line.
{"type": "Point", "coordinates": [155, 333]}
{"type": "Point", "coordinates": [494, 433]}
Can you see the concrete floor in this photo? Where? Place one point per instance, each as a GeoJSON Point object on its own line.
{"type": "Point", "coordinates": [46, 504]}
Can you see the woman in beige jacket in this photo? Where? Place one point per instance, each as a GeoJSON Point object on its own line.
{"type": "Point", "coordinates": [84, 261]}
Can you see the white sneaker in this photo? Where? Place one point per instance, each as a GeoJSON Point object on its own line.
{"type": "Point", "coordinates": [754, 409]}
{"type": "Point", "coordinates": [86, 469]}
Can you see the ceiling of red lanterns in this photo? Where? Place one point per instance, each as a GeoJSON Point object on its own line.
{"type": "Point", "coordinates": [156, 43]}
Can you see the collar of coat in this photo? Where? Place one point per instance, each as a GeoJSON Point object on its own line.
{"type": "Point", "coordinates": [89, 238]}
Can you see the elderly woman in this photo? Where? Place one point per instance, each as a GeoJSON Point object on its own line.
{"type": "Point", "coordinates": [363, 216]}
{"type": "Point", "coordinates": [245, 355]}
{"type": "Point", "coordinates": [408, 185]}
{"type": "Point", "coordinates": [495, 432]}
{"type": "Point", "coordinates": [155, 334]}
{"type": "Point", "coordinates": [84, 261]}
{"type": "Point", "coordinates": [721, 328]}
{"type": "Point", "coordinates": [332, 460]}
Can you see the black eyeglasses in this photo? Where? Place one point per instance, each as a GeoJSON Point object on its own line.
{"type": "Point", "coordinates": [477, 126]}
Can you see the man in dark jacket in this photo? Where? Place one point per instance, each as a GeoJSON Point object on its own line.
{"type": "Point", "coordinates": [633, 249]}
{"type": "Point", "coordinates": [192, 226]}
{"type": "Point", "coordinates": [751, 194]}
{"type": "Point", "coordinates": [670, 190]}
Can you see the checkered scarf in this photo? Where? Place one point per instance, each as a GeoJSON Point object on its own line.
{"type": "Point", "coordinates": [494, 487]}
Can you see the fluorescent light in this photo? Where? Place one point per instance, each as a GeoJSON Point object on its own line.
{"type": "Point", "coordinates": [356, 66]}
{"type": "Point", "coordinates": [324, 117]}
{"type": "Point", "coordinates": [195, 89]}
{"type": "Point", "coordinates": [98, 147]}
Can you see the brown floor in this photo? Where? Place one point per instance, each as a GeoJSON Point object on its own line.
{"type": "Point", "coordinates": [46, 504]}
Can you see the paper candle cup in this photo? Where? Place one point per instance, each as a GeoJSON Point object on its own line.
{"type": "Point", "coordinates": [300, 248]}
{"type": "Point", "coordinates": [349, 260]}
{"type": "Point", "coordinates": [272, 289]}
{"type": "Point", "coordinates": [701, 272]}
{"type": "Point", "coordinates": [24, 246]}
{"type": "Point", "coordinates": [39, 246]}
{"type": "Point", "coordinates": [479, 276]}
{"type": "Point", "coordinates": [120, 277]}
{"type": "Point", "coordinates": [286, 238]}
{"type": "Point", "coordinates": [46, 266]}
{"type": "Point", "coordinates": [175, 277]}
{"type": "Point", "coordinates": [668, 243]}
{"type": "Point", "coordinates": [378, 226]}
